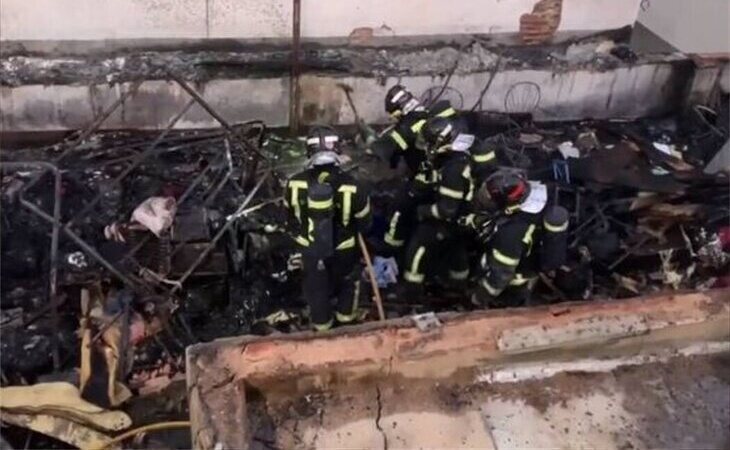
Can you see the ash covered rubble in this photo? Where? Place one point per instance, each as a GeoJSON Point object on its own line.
{"type": "Point", "coordinates": [476, 54]}
{"type": "Point", "coordinates": [163, 241]}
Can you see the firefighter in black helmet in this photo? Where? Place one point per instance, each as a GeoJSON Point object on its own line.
{"type": "Point", "coordinates": [327, 208]}
{"type": "Point", "coordinates": [528, 235]}
{"type": "Point", "coordinates": [437, 248]}
{"type": "Point", "coordinates": [403, 142]}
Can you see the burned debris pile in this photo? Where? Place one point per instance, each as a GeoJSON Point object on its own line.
{"type": "Point", "coordinates": [120, 249]}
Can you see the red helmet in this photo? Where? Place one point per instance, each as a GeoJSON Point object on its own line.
{"type": "Point", "coordinates": [507, 188]}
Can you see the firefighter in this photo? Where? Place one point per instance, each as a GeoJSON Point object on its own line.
{"type": "Point", "coordinates": [484, 160]}
{"type": "Point", "coordinates": [437, 247]}
{"type": "Point", "coordinates": [327, 208]}
{"type": "Point", "coordinates": [403, 142]}
{"type": "Point", "coordinates": [526, 236]}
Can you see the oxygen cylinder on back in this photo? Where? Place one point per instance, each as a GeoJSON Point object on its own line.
{"type": "Point", "coordinates": [320, 205]}
{"type": "Point", "coordinates": [553, 252]}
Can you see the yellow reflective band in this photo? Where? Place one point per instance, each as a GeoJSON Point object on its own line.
{"type": "Point", "coordinates": [323, 177]}
{"type": "Point", "coordinates": [518, 280]}
{"type": "Point", "coordinates": [425, 177]}
{"type": "Point", "coordinates": [310, 229]}
{"type": "Point", "coordinates": [278, 316]}
{"type": "Point", "coordinates": [459, 275]}
{"type": "Point", "coordinates": [481, 159]}
{"type": "Point", "coordinates": [301, 240]}
{"type": "Point", "coordinates": [470, 193]}
{"type": "Point", "coordinates": [451, 193]}
{"type": "Point", "coordinates": [348, 191]}
{"type": "Point", "coordinates": [390, 235]}
{"type": "Point", "coordinates": [399, 140]}
{"type": "Point", "coordinates": [416, 127]}
{"type": "Point", "coordinates": [528, 235]}
{"type": "Point", "coordinates": [319, 204]}
{"type": "Point", "coordinates": [435, 211]}
{"type": "Point", "coordinates": [555, 228]}
{"type": "Point", "coordinates": [295, 186]}
{"type": "Point", "coordinates": [448, 112]}
{"type": "Point", "coordinates": [504, 259]}
{"type": "Point", "coordinates": [345, 318]}
{"type": "Point", "coordinates": [466, 173]}
{"type": "Point", "coordinates": [392, 241]}
{"type": "Point", "coordinates": [323, 326]}
{"type": "Point", "coordinates": [492, 291]}
{"type": "Point", "coordinates": [413, 275]}
{"type": "Point", "coordinates": [347, 243]}
{"type": "Point", "coordinates": [363, 212]}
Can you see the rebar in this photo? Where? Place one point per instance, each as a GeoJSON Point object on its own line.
{"type": "Point", "coordinates": [229, 222]}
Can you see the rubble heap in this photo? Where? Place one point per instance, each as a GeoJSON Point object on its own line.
{"type": "Point", "coordinates": [120, 249]}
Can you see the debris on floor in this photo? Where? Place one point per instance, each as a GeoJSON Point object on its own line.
{"type": "Point", "coordinates": [120, 249]}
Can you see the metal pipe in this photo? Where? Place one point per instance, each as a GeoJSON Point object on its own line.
{"type": "Point", "coordinates": [226, 176]}
{"type": "Point", "coordinates": [102, 118]}
{"type": "Point", "coordinates": [294, 76]}
{"type": "Point", "coordinates": [138, 160]}
{"type": "Point", "coordinates": [90, 129]}
{"type": "Point", "coordinates": [53, 270]}
{"type": "Point", "coordinates": [81, 243]}
{"type": "Point", "coordinates": [231, 220]}
{"type": "Point", "coordinates": [209, 109]}
{"type": "Point", "coordinates": [198, 179]}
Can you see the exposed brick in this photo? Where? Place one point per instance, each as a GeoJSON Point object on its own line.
{"type": "Point", "coordinates": [540, 26]}
{"type": "Point", "coordinates": [361, 36]}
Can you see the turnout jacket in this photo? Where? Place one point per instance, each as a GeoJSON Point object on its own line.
{"type": "Point", "coordinates": [401, 141]}
{"type": "Point", "coordinates": [453, 189]}
{"type": "Point", "coordinates": [347, 207]}
{"type": "Point", "coordinates": [530, 238]}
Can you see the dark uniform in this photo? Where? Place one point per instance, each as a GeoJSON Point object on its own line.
{"type": "Point", "coordinates": [528, 237]}
{"type": "Point", "coordinates": [438, 245]}
{"type": "Point", "coordinates": [327, 209]}
{"type": "Point", "coordinates": [402, 142]}
{"type": "Point", "coordinates": [484, 160]}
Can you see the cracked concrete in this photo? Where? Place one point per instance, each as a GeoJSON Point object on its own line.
{"type": "Point", "coordinates": [659, 405]}
{"type": "Point", "coordinates": [379, 416]}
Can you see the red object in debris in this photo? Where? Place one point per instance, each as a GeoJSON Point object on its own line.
{"type": "Point", "coordinates": [724, 235]}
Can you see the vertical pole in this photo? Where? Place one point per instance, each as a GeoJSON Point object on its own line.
{"type": "Point", "coordinates": [53, 274]}
{"type": "Point", "coordinates": [294, 76]}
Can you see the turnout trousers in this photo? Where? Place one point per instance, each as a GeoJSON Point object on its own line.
{"type": "Point", "coordinates": [335, 277]}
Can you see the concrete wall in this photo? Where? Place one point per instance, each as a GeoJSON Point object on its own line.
{"type": "Point", "coordinates": [694, 26]}
{"type": "Point", "coordinates": [30, 20]}
{"type": "Point", "coordinates": [630, 92]}
{"type": "Point", "coordinates": [298, 364]}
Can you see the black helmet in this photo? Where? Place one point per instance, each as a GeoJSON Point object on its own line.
{"type": "Point", "coordinates": [439, 132]}
{"type": "Point", "coordinates": [399, 101]}
{"type": "Point", "coordinates": [322, 139]}
{"type": "Point", "coordinates": [507, 188]}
